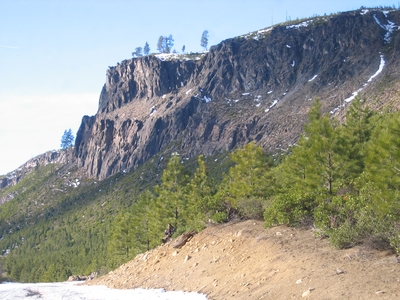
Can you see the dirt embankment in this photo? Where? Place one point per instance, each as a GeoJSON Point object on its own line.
{"type": "Point", "coordinates": [245, 261]}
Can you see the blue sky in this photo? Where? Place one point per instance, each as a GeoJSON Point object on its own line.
{"type": "Point", "coordinates": [54, 53]}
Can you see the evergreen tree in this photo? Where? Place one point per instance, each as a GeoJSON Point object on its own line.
{"type": "Point", "coordinates": [67, 139]}
{"type": "Point", "coordinates": [138, 52]}
{"type": "Point", "coordinates": [248, 183]}
{"type": "Point", "coordinates": [170, 205]}
{"type": "Point", "coordinates": [204, 39]}
{"type": "Point", "coordinates": [165, 44]}
{"type": "Point", "coordinates": [160, 44]}
{"type": "Point", "coordinates": [169, 43]}
{"type": "Point", "coordinates": [183, 49]}
{"type": "Point", "coordinates": [200, 206]}
{"type": "Point", "coordinates": [383, 165]}
{"type": "Point", "coordinates": [121, 239]}
{"type": "Point", "coordinates": [146, 49]}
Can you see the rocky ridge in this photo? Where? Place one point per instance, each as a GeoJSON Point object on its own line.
{"type": "Point", "coordinates": [50, 157]}
{"type": "Point", "coordinates": [256, 87]}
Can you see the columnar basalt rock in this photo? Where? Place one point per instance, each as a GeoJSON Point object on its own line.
{"type": "Point", "coordinates": [254, 87]}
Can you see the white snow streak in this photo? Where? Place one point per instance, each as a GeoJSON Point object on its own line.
{"type": "Point", "coordinates": [380, 69]}
{"type": "Point", "coordinates": [390, 27]}
{"type": "Point", "coordinates": [354, 94]}
{"type": "Point", "coordinates": [273, 103]}
{"type": "Point", "coordinates": [315, 76]}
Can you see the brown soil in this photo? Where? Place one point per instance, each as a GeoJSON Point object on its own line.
{"type": "Point", "coordinates": [245, 261]}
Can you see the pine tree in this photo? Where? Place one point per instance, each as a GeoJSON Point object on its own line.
{"type": "Point", "coordinates": [199, 197]}
{"type": "Point", "coordinates": [138, 52]}
{"type": "Point", "coordinates": [170, 204]}
{"type": "Point", "coordinates": [146, 49]}
{"type": "Point", "coordinates": [161, 44]}
{"type": "Point", "coordinates": [383, 164]}
{"type": "Point", "coordinates": [248, 183]}
{"type": "Point", "coordinates": [67, 139]}
{"type": "Point", "coordinates": [169, 43]}
{"type": "Point", "coordinates": [204, 39]}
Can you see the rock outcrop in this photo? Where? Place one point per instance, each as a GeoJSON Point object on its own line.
{"type": "Point", "coordinates": [254, 87]}
{"type": "Point", "coordinates": [50, 157]}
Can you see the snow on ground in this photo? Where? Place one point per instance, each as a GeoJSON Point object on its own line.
{"type": "Point", "coordinates": [72, 291]}
{"type": "Point", "coordinates": [207, 99]}
{"type": "Point", "coordinates": [297, 26]}
{"type": "Point", "coordinates": [315, 76]}
{"type": "Point", "coordinates": [153, 110]}
{"type": "Point", "coordinates": [390, 27]}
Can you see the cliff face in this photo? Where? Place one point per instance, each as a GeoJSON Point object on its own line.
{"type": "Point", "coordinates": [254, 87]}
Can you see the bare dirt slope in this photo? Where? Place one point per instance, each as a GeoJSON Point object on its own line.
{"type": "Point", "coordinates": [245, 261]}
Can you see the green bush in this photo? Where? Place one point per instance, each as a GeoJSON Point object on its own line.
{"type": "Point", "coordinates": [251, 208]}
{"type": "Point", "coordinates": [291, 208]}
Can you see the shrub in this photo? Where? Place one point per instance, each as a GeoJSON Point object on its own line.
{"type": "Point", "coordinates": [291, 208]}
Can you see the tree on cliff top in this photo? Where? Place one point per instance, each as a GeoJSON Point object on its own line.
{"type": "Point", "coordinates": [67, 139]}
{"type": "Point", "coordinates": [204, 39]}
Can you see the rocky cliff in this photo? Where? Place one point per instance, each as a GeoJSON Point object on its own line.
{"type": "Point", "coordinates": [253, 87]}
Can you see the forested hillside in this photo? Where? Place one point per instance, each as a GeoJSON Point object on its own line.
{"type": "Point", "coordinates": [340, 178]}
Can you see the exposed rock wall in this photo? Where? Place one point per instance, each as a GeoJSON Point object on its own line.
{"type": "Point", "coordinates": [255, 87]}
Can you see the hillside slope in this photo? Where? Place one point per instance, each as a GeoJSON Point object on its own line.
{"type": "Point", "coordinates": [245, 261]}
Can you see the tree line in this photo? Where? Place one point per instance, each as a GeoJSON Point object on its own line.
{"type": "Point", "coordinates": [165, 45]}
{"type": "Point", "coordinates": [341, 179]}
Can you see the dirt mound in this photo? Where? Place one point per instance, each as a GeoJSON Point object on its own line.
{"type": "Point", "coordinates": [245, 261]}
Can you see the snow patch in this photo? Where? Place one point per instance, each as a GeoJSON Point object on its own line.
{"type": "Point", "coordinates": [380, 69]}
{"type": "Point", "coordinates": [364, 11]}
{"type": "Point", "coordinates": [287, 46]}
{"type": "Point", "coordinates": [72, 290]}
{"type": "Point", "coordinates": [390, 27]}
{"type": "Point", "coordinates": [298, 26]}
{"type": "Point", "coordinates": [153, 110]}
{"type": "Point", "coordinates": [208, 99]}
{"type": "Point", "coordinates": [188, 92]}
{"type": "Point", "coordinates": [315, 76]}
{"type": "Point", "coordinates": [273, 104]}
{"type": "Point", "coordinates": [293, 63]}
